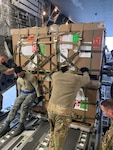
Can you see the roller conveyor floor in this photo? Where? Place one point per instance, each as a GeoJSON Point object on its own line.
{"type": "Point", "coordinates": [35, 127]}
{"type": "Point", "coordinates": [36, 136]}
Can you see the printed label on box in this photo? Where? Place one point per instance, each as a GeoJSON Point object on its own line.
{"type": "Point", "coordinates": [81, 102]}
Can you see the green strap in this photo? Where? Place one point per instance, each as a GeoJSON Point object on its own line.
{"type": "Point", "coordinates": [92, 36]}
{"type": "Point", "coordinates": [19, 36]}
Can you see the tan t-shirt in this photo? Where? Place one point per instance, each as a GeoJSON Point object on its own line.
{"type": "Point", "coordinates": [28, 83]}
{"type": "Point", "coordinates": [65, 88]}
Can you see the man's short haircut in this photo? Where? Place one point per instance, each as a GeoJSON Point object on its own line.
{"type": "Point", "coordinates": [18, 69]}
{"type": "Point", "coordinates": [64, 67]}
{"type": "Point", "coordinates": [107, 103]}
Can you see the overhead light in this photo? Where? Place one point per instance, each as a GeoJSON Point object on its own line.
{"type": "Point", "coordinates": [67, 22]}
{"type": "Point", "coordinates": [55, 9]}
{"type": "Point", "coordinates": [43, 13]}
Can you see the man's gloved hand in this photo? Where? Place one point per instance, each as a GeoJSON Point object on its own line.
{"type": "Point", "coordinates": [5, 64]}
{"type": "Point", "coordinates": [40, 98]}
{"type": "Point", "coordinates": [11, 64]}
{"type": "Point", "coordinates": [84, 69]}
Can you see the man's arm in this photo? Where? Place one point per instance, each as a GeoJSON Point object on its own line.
{"type": "Point", "coordinates": [18, 87]}
{"type": "Point", "coordinates": [84, 79]}
{"type": "Point", "coordinates": [35, 85]}
{"type": "Point", "coordinates": [6, 70]}
{"type": "Point", "coordinates": [9, 71]}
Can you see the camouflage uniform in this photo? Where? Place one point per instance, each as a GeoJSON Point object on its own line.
{"type": "Point", "coordinates": [25, 98]}
{"type": "Point", "coordinates": [2, 69]}
{"type": "Point", "coordinates": [107, 142]}
{"type": "Point", "coordinates": [65, 88]}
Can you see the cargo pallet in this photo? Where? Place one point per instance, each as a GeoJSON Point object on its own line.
{"type": "Point", "coordinates": [42, 50]}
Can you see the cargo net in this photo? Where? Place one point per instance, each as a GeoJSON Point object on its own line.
{"type": "Point", "coordinates": [43, 54]}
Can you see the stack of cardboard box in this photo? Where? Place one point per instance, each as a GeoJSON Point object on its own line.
{"type": "Point", "coordinates": [79, 44]}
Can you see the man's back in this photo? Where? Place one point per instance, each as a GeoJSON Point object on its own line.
{"type": "Point", "coordinates": [65, 87]}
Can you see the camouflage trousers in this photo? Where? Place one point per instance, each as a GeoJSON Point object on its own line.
{"type": "Point", "coordinates": [23, 103]}
{"type": "Point", "coordinates": [59, 126]}
{"type": "Point", "coordinates": [107, 142]}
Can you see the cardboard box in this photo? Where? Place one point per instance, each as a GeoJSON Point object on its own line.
{"type": "Point", "coordinates": [92, 45]}
{"type": "Point", "coordinates": [65, 28]}
{"type": "Point", "coordinates": [20, 60]}
{"type": "Point", "coordinates": [20, 32]}
{"type": "Point", "coordinates": [45, 53]}
{"type": "Point", "coordinates": [91, 36]}
{"type": "Point", "coordinates": [30, 31]}
{"type": "Point", "coordinates": [33, 31]}
{"type": "Point", "coordinates": [88, 26]}
{"type": "Point", "coordinates": [90, 113]}
{"type": "Point", "coordinates": [38, 31]}
{"type": "Point", "coordinates": [93, 64]}
{"type": "Point", "coordinates": [90, 42]}
{"type": "Point", "coordinates": [15, 39]}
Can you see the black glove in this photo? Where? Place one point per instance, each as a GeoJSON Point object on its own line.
{"type": "Point", "coordinates": [84, 69]}
{"type": "Point", "coordinates": [11, 64]}
{"type": "Point", "coordinates": [40, 98]}
{"type": "Point", "coordinates": [5, 64]}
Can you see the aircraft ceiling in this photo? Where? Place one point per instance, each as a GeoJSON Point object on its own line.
{"type": "Point", "coordinates": [88, 11]}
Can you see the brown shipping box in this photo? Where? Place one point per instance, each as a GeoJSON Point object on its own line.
{"type": "Point", "coordinates": [38, 31]}
{"type": "Point", "coordinates": [20, 60]}
{"type": "Point", "coordinates": [91, 34]}
{"type": "Point", "coordinates": [45, 52]}
{"type": "Point", "coordinates": [95, 61]}
{"type": "Point", "coordinates": [34, 32]}
{"type": "Point", "coordinates": [30, 31]}
{"type": "Point", "coordinates": [17, 34]}
{"type": "Point", "coordinates": [92, 93]}
{"type": "Point", "coordinates": [91, 40]}
{"type": "Point", "coordinates": [20, 32]}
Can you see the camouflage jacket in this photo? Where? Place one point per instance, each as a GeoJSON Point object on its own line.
{"type": "Point", "coordinates": [107, 142]}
